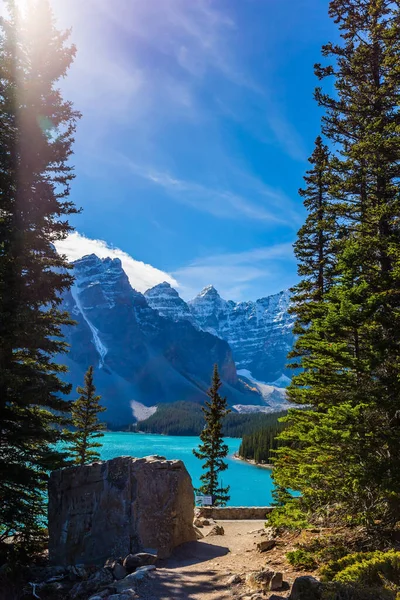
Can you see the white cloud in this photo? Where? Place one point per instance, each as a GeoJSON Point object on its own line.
{"type": "Point", "coordinates": [141, 275]}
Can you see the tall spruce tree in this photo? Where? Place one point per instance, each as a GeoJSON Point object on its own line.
{"type": "Point", "coordinates": [343, 455]}
{"type": "Point", "coordinates": [213, 450]}
{"type": "Point", "coordinates": [85, 411]}
{"type": "Point", "coordinates": [36, 136]}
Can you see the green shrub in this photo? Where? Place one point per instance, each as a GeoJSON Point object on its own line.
{"type": "Point", "coordinates": [290, 516]}
{"type": "Point", "coordinates": [367, 569]}
{"type": "Point", "coordinates": [302, 559]}
{"type": "Point", "coordinates": [329, 572]}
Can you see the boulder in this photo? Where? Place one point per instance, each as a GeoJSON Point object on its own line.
{"type": "Point", "coordinates": [198, 522]}
{"type": "Point", "coordinates": [265, 545]}
{"type": "Point", "coordinates": [119, 571]}
{"type": "Point", "coordinates": [130, 581]}
{"type": "Point", "coordinates": [119, 507]}
{"type": "Point", "coordinates": [216, 530]}
{"type": "Point", "coordinates": [134, 561]}
{"type": "Point", "coordinates": [306, 588]}
{"type": "Point", "coordinates": [276, 581]}
{"type": "Point", "coordinates": [259, 580]}
{"type": "Point", "coordinates": [96, 582]}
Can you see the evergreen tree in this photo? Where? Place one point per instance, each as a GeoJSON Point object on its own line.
{"type": "Point", "coordinates": [343, 455]}
{"type": "Point", "coordinates": [85, 412]}
{"type": "Point", "coordinates": [213, 450]}
{"type": "Point", "coordinates": [36, 137]}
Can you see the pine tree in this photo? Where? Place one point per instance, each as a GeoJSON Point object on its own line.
{"type": "Point", "coordinates": [36, 137]}
{"type": "Point", "coordinates": [85, 411]}
{"type": "Point", "coordinates": [213, 450]}
{"type": "Point", "coordinates": [343, 455]}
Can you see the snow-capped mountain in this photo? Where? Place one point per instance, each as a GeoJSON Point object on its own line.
{"type": "Point", "coordinates": [167, 302]}
{"type": "Point", "coordinates": [259, 333]}
{"type": "Point", "coordinates": [140, 355]}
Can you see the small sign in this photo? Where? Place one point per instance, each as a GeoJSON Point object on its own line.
{"type": "Point", "coordinates": [207, 501]}
{"type": "Point", "coordinates": [198, 499]}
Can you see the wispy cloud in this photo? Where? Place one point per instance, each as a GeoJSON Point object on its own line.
{"type": "Point", "coordinates": [239, 276]}
{"type": "Point", "coordinates": [196, 44]}
{"type": "Point", "coordinates": [218, 202]}
{"type": "Point", "coordinates": [141, 275]}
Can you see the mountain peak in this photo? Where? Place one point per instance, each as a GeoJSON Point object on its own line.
{"type": "Point", "coordinates": [162, 289]}
{"type": "Point", "coordinates": [209, 291]}
{"type": "Point", "coordinates": [166, 301]}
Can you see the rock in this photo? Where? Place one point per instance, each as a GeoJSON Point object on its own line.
{"type": "Point", "coordinates": [235, 579]}
{"type": "Point", "coordinates": [100, 595]}
{"type": "Point", "coordinates": [46, 573]}
{"type": "Point", "coordinates": [141, 571]}
{"type": "Point", "coordinates": [198, 522]}
{"type": "Point", "coordinates": [77, 572]}
{"type": "Point", "coordinates": [259, 580]}
{"type": "Point", "coordinates": [95, 582]}
{"type": "Point", "coordinates": [127, 595]}
{"type": "Point", "coordinates": [199, 535]}
{"type": "Point", "coordinates": [276, 581]}
{"type": "Point", "coordinates": [131, 580]}
{"type": "Point", "coordinates": [134, 561]}
{"type": "Point", "coordinates": [265, 545]}
{"type": "Point", "coordinates": [216, 530]}
{"type": "Point", "coordinates": [271, 532]}
{"type": "Point", "coordinates": [119, 507]}
{"type": "Point", "coordinates": [206, 522]}
{"type": "Point", "coordinates": [306, 588]}
{"type": "Point", "coordinates": [119, 571]}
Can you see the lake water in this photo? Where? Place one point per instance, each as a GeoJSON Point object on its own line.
{"type": "Point", "coordinates": [250, 485]}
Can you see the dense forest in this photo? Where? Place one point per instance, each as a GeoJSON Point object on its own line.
{"type": "Point", "coordinates": [187, 418]}
{"type": "Point", "coordinates": [259, 444]}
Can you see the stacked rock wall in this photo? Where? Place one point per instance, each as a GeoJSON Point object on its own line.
{"type": "Point", "coordinates": [229, 513]}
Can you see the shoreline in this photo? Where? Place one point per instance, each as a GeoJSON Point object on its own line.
{"type": "Point", "coordinates": [251, 461]}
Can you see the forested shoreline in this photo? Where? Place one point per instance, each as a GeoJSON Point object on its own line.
{"type": "Point", "coordinates": [260, 444]}
{"type": "Point", "coordinates": [186, 418]}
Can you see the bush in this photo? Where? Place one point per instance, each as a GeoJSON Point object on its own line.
{"type": "Point", "coordinates": [370, 569]}
{"type": "Point", "coordinates": [290, 516]}
{"type": "Point", "coordinates": [302, 559]}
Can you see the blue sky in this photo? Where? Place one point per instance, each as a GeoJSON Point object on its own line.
{"type": "Point", "coordinates": [198, 118]}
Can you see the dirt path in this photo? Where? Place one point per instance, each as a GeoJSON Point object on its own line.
{"type": "Point", "coordinates": [201, 570]}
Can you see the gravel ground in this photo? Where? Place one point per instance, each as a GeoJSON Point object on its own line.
{"type": "Point", "coordinates": [201, 570]}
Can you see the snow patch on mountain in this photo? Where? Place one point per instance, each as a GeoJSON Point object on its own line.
{"type": "Point", "coordinates": [283, 381]}
{"type": "Point", "coordinates": [100, 347]}
{"type": "Point", "coordinates": [249, 409]}
{"type": "Point", "coordinates": [142, 412]}
{"type": "Point", "coordinates": [271, 394]}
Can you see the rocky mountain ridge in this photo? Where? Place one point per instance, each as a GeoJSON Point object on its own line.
{"type": "Point", "coordinates": [139, 355]}
{"type": "Point", "coordinates": [259, 333]}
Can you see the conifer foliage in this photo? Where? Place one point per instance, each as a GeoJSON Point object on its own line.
{"type": "Point", "coordinates": [259, 445]}
{"type": "Point", "coordinates": [36, 136]}
{"type": "Point", "coordinates": [85, 411]}
{"type": "Point", "coordinates": [212, 449]}
{"type": "Point", "coordinates": [343, 455]}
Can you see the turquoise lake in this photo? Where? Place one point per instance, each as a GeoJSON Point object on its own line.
{"type": "Point", "coordinates": [250, 485]}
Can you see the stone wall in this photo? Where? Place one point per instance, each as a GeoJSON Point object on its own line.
{"type": "Point", "coordinates": [228, 513]}
{"type": "Point", "coordinates": [120, 506]}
